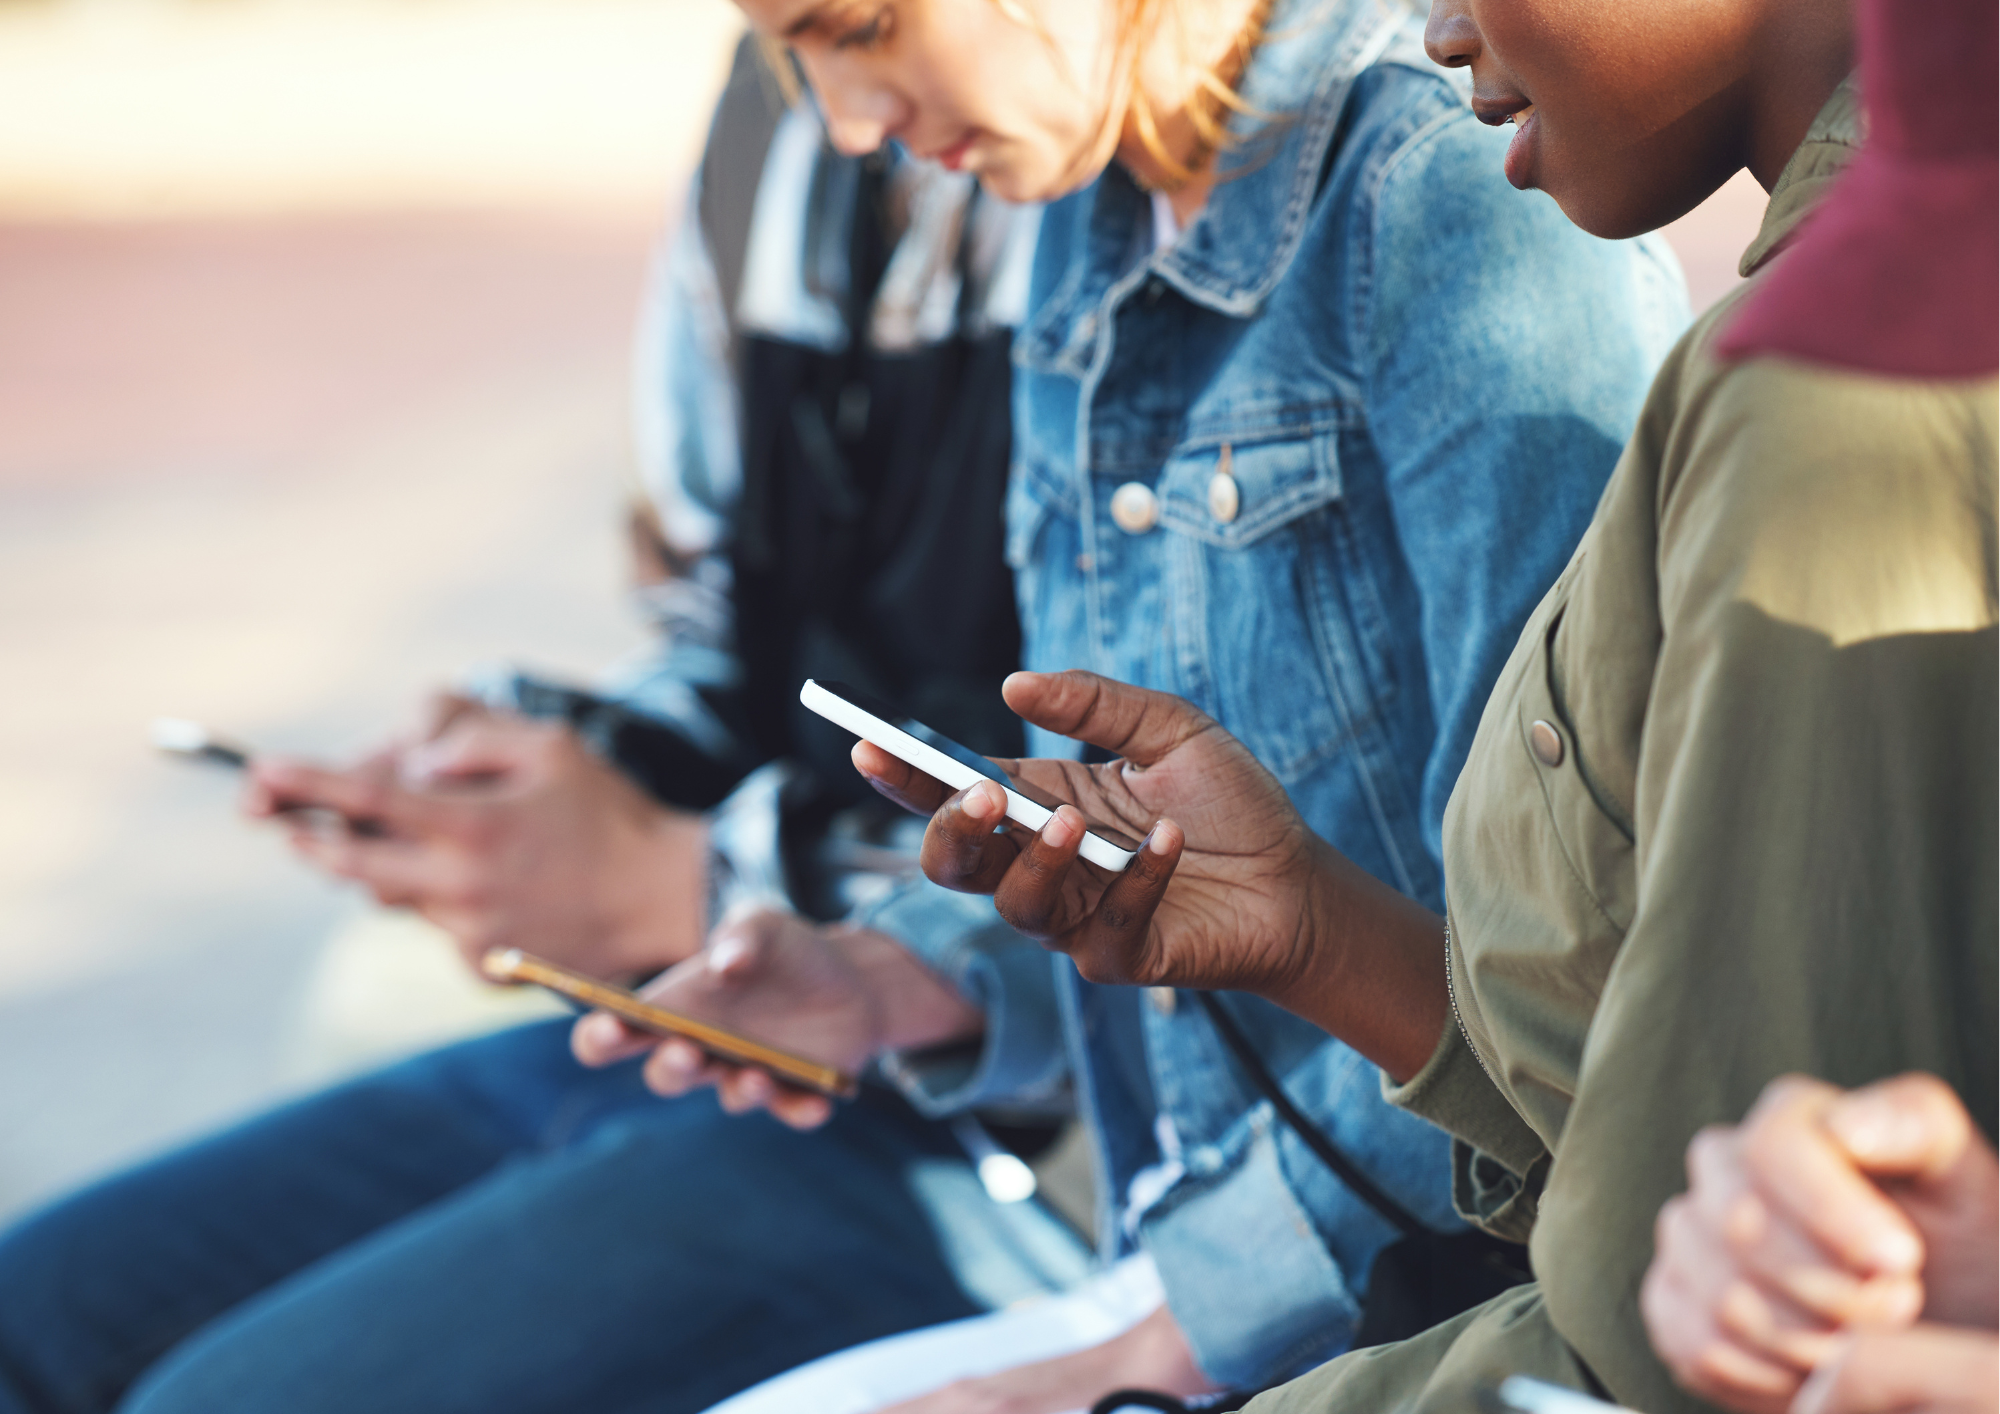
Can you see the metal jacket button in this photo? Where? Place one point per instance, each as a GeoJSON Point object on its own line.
{"type": "Point", "coordinates": [1135, 508]}
{"type": "Point", "coordinates": [1225, 497]}
{"type": "Point", "coordinates": [1547, 744]}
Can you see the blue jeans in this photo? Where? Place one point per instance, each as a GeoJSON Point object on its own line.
{"type": "Point", "coordinates": [485, 1228]}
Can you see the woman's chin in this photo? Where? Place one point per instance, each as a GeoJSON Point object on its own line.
{"type": "Point", "coordinates": [1011, 185]}
{"type": "Point", "coordinates": [1025, 182]}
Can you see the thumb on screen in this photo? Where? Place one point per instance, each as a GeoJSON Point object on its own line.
{"type": "Point", "coordinates": [1133, 722]}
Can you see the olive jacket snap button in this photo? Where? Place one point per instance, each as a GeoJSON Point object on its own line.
{"type": "Point", "coordinates": [1547, 743]}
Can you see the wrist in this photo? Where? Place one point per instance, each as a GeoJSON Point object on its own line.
{"type": "Point", "coordinates": [914, 1007]}
{"type": "Point", "coordinates": [1368, 965]}
{"type": "Point", "coordinates": [1313, 963]}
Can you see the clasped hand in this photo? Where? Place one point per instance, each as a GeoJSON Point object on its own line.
{"type": "Point", "coordinates": [1834, 1254]}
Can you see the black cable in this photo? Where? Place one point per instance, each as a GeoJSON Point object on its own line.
{"type": "Point", "coordinates": [1310, 1134]}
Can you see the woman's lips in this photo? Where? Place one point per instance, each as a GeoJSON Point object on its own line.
{"type": "Point", "coordinates": [952, 158]}
{"type": "Point", "coordinates": [1520, 165]}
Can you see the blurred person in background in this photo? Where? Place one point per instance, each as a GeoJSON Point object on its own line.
{"type": "Point", "coordinates": [1838, 1252]}
{"type": "Point", "coordinates": [823, 398]}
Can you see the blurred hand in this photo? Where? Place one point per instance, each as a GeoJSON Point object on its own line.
{"type": "Point", "coordinates": [507, 832]}
{"type": "Point", "coordinates": [1823, 1213]}
{"type": "Point", "coordinates": [1257, 902]}
{"type": "Point", "coordinates": [834, 994]}
{"type": "Point", "coordinates": [1927, 1369]}
{"type": "Point", "coordinates": [1152, 1355]}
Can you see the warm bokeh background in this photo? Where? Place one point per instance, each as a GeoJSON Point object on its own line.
{"type": "Point", "coordinates": [313, 327]}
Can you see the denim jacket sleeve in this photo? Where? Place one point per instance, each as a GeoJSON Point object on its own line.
{"type": "Point", "coordinates": [1259, 1190]}
{"type": "Point", "coordinates": [1502, 358]}
{"type": "Point", "coordinates": [1020, 1061]}
{"type": "Point", "coordinates": [685, 415]}
{"type": "Point", "coordinates": [1505, 354]}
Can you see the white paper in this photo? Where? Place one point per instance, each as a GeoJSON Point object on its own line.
{"type": "Point", "coordinates": [898, 1367]}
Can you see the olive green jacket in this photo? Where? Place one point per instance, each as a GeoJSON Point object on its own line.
{"type": "Point", "coordinates": [1730, 813]}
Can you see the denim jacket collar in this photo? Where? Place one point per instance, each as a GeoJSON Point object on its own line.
{"type": "Point", "coordinates": [1296, 86]}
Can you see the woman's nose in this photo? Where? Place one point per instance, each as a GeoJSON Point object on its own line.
{"type": "Point", "coordinates": [1450, 36]}
{"type": "Point", "coordinates": [860, 115]}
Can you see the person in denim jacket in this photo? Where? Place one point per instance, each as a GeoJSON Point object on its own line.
{"type": "Point", "coordinates": [1308, 462]}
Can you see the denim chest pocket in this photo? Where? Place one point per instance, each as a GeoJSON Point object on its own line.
{"type": "Point", "coordinates": [1230, 493]}
{"type": "Point", "coordinates": [1256, 597]}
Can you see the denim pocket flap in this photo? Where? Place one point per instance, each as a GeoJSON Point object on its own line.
{"type": "Point", "coordinates": [1230, 493]}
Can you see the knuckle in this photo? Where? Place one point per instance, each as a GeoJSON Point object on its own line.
{"type": "Point", "coordinates": [1669, 1227]}
{"type": "Point", "coordinates": [1024, 917]}
{"type": "Point", "coordinates": [1767, 1144]}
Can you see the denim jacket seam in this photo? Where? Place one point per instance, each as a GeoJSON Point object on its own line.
{"type": "Point", "coordinates": [1319, 116]}
{"type": "Point", "coordinates": [1364, 772]}
{"type": "Point", "coordinates": [1378, 183]}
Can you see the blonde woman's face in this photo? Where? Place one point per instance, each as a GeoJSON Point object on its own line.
{"type": "Point", "coordinates": [1017, 99]}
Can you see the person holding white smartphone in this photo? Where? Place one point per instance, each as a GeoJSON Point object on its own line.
{"type": "Point", "coordinates": [1310, 409]}
{"type": "Point", "coordinates": [1732, 809]}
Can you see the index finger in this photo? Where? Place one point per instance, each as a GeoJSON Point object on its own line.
{"type": "Point", "coordinates": [1798, 1166]}
{"type": "Point", "coordinates": [916, 791]}
{"type": "Point", "coordinates": [599, 1039]}
{"type": "Point", "coordinates": [355, 795]}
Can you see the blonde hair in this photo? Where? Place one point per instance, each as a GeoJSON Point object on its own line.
{"type": "Point", "coordinates": [1136, 23]}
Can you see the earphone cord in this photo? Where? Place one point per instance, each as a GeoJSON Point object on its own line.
{"type": "Point", "coordinates": [1310, 1134]}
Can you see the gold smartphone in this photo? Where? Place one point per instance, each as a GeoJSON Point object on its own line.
{"type": "Point", "coordinates": [513, 965]}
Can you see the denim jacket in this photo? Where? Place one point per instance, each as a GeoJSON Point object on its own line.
{"type": "Point", "coordinates": [1310, 466]}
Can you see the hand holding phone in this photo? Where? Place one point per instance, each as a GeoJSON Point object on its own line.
{"type": "Point", "coordinates": [191, 741]}
{"type": "Point", "coordinates": [1257, 902]}
{"type": "Point", "coordinates": [513, 965]}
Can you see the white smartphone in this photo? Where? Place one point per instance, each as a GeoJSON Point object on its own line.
{"type": "Point", "coordinates": [191, 741]}
{"type": "Point", "coordinates": [957, 765]}
{"type": "Point", "coordinates": [1523, 1394]}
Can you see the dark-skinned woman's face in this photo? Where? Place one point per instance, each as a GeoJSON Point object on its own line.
{"type": "Point", "coordinates": [1628, 112]}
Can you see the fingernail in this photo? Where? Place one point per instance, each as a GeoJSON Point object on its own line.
{"type": "Point", "coordinates": [726, 952]}
{"type": "Point", "coordinates": [979, 804]}
{"type": "Point", "coordinates": [1869, 1127]}
{"type": "Point", "coordinates": [604, 1030]}
{"type": "Point", "coordinates": [1061, 831]}
{"type": "Point", "coordinates": [1896, 1251]}
{"type": "Point", "coordinates": [1155, 843]}
{"type": "Point", "coordinates": [418, 766]}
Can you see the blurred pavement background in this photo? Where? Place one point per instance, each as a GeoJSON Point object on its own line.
{"type": "Point", "coordinates": [314, 318]}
